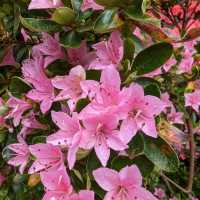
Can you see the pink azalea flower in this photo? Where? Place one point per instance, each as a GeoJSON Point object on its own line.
{"type": "Point", "coordinates": [43, 4]}
{"type": "Point", "coordinates": [69, 134]}
{"type": "Point", "coordinates": [57, 184]}
{"type": "Point", "coordinates": [160, 193]}
{"type": "Point", "coordinates": [47, 157]}
{"type": "Point", "coordinates": [82, 195]}
{"type": "Point", "coordinates": [166, 100]}
{"type": "Point", "coordinates": [50, 48]}
{"type": "Point", "coordinates": [26, 37]}
{"type": "Point", "coordinates": [141, 111]}
{"type": "Point", "coordinates": [108, 98]}
{"type": "Point", "coordinates": [21, 155]}
{"type": "Point", "coordinates": [87, 4]}
{"type": "Point", "coordinates": [80, 55]}
{"type": "Point", "coordinates": [8, 58]}
{"type": "Point", "coordinates": [43, 91]}
{"type": "Point", "coordinates": [186, 63]}
{"type": "Point", "coordinates": [2, 179]}
{"type": "Point", "coordinates": [29, 124]}
{"type": "Point", "coordinates": [101, 134]}
{"type": "Point", "coordinates": [175, 117]}
{"type": "Point", "coordinates": [109, 53]}
{"type": "Point", "coordinates": [123, 185]}
{"type": "Point", "coordinates": [74, 86]}
{"type": "Point", "coordinates": [193, 100]}
{"type": "Point", "coordinates": [194, 198]}
{"type": "Point", "coordinates": [18, 107]}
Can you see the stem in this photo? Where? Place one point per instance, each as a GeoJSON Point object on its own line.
{"type": "Point", "coordinates": [192, 154]}
{"type": "Point", "coordinates": [175, 184]}
{"type": "Point", "coordinates": [168, 184]}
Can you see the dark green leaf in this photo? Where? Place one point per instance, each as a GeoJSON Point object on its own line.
{"type": "Point", "coordinates": [18, 87]}
{"type": "Point", "coordinates": [145, 81]}
{"type": "Point", "coordinates": [82, 103]}
{"type": "Point", "coordinates": [135, 13]}
{"type": "Point", "coordinates": [59, 67]}
{"type": "Point", "coordinates": [113, 3]}
{"type": "Point", "coordinates": [107, 21]}
{"type": "Point", "coordinates": [129, 49]}
{"type": "Point", "coordinates": [92, 164]}
{"type": "Point", "coordinates": [93, 75]}
{"type": "Point", "coordinates": [161, 154]}
{"type": "Point", "coordinates": [40, 25]}
{"type": "Point", "coordinates": [144, 164]}
{"type": "Point", "coordinates": [152, 57]}
{"type": "Point", "coordinates": [64, 16]}
{"type": "Point", "coordinates": [70, 39]}
{"type": "Point", "coordinates": [152, 89]}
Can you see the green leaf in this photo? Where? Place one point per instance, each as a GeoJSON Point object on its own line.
{"type": "Point", "coordinates": [107, 21]}
{"type": "Point", "coordinates": [129, 49]}
{"type": "Point", "coordinates": [40, 25]}
{"type": "Point", "coordinates": [18, 87]}
{"type": "Point", "coordinates": [70, 39]}
{"type": "Point", "coordinates": [145, 81]}
{"type": "Point", "coordinates": [82, 103]}
{"type": "Point", "coordinates": [161, 154]}
{"type": "Point", "coordinates": [76, 4]}
{"type": "Point", "coordinates": [3, 109]}
{"type": "Point", "coordinates": [145, 165]}
{"type": "Point", "coordinates": [92, 164]}
{"type": "Point", "coordinates": [152, 89]}
{"type": "Point", "coordinates": [93, 75]}
{"type": "Point", "coordinates": [58, 67]}
{"type": "Point", "coordinates": [113, 3]}
{"type": "Point", "coordinates": [136, 146]}
{"type": "Point", "coordinates": [120, 162]}
{"type": "Point", "coordinates": [135, 13]}
{"type": "Point", "coordinates": [152, 57]}
{"type": "Point", "coordinates": [63, 16]}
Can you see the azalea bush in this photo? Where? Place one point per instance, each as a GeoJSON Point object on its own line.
{"type": "Point", "coordinates": [100, 99]}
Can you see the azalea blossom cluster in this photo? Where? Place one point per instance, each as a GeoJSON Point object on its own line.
{"type": "Point", "coordinates": [111, 119]}
{"type": "Point", "coordinates": [113, 113]}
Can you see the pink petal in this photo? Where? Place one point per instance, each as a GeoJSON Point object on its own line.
{"type": "Point", "coordinates": [87, 4]}
{"type": "Point", "coordinates": [110, 79]}
{"type": "Point", "coordinates": [86, 195]}
{"type": "Point", "coordinates": [58, 138]}
{"type": "Point", "coordinates": [155, 105]}
{"type": "Point", "coordinates": [103, 152]}
{"type": "Point", "coordinates": [71, 156]}
{"type": "Point", "coordinates": [128, 130]}
{"type": "Point", "coordinates": [149, 128]}
{"type": "Point", "coordinates": [142, 194]}
{"type": "Point", "coordinates": [46, 105]}
{"type": "Point", "coordinates": [56, 180]}
{"type": "Point", "coordinates": [130, 176]}
{"type": "Point", "coordinates": [115, 143]}
{"type": "Point", "coordinates": [65, 122]}
{"type": "Point", "coordinates": [108, 179]}
{"type": "Point", "coordinates": [43, 4]}
{"type": "Point", "coordinates": [116, 45]}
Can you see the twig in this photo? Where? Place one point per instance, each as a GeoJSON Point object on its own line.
{"type": "Point", "coordinates": [175, 184]}
{"type": "Point", "coordinates": [192, 154]}
{"type": "Point", "coordinates": [168, 184]}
